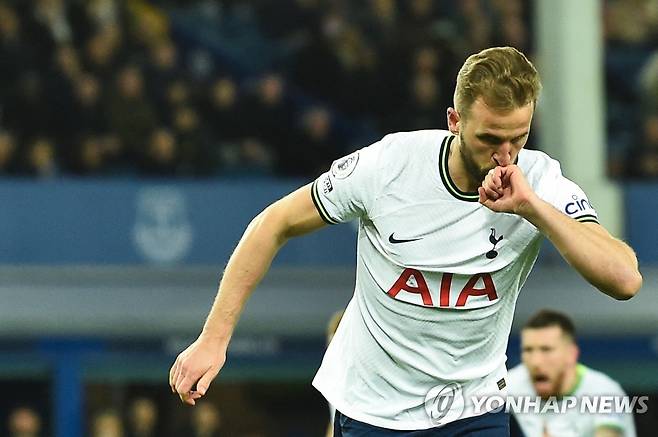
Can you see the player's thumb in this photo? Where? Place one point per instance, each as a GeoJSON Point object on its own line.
{"type": "Point", "coordinates": [204, 383]}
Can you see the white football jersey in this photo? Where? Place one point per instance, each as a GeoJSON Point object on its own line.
{"type": "Point", "coordinates": [577, 420]}
{"type": "Point", "coordinates": [437, 278]}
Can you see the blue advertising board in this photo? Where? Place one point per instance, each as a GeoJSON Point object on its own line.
{"type": "Point", "coordinates": [131, 222]}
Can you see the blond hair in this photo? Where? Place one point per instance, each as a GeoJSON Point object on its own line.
{"type": "Point", "coordinates": [502, 76]}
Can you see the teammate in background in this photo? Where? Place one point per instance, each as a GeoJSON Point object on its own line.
{"type": "Point", "coordinates": [332, 326]}
{"type": "Point", "coordinates": [450, 225]}
{"type": "Point", "coordinates": [550, 368]}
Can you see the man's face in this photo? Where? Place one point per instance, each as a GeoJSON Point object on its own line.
{"type": "Point", "coordinates": [489, 137]}
{"type": "Point", "coordinates": [548, 354]}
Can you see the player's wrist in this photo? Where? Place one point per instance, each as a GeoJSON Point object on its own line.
{"type": "Point", "coordinates": [215, 338]}
{"type": "Point", "coordinates": [529, 207]}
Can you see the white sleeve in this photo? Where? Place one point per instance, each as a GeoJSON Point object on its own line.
{"type": "Point", "coordinates": [567, 196]}
{"type": "Point", "coordinates": [351, 185]}
{"type": "Point", "coordinates": [621, 421]}
{"type": "Point", "coordinates": [614, 421]}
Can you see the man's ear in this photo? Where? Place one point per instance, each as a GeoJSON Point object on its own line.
{"type": "Point", "coordinates": [454, 121]}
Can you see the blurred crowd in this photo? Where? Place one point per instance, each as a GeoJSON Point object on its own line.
{"type": "Point", "coordinates": [106, 87]}
{"type": "Point", "coordinates": [100, 87]}
{"type": "Point", "coordinates": [142, 419]}
{"type": "Point", "coordinates": [631, 37]}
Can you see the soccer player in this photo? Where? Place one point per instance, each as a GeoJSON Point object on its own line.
{"type": "Point", "coordinates": [550, 370]}
{"type": "Point", "coordinates": [450, 225]}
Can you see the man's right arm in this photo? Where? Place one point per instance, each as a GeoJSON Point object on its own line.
{"type": "Point", "coordinates": [605, 431]}
{"type": "Point", "coordinates": [199, 364]}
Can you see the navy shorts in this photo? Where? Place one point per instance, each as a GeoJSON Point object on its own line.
{"type": "Point", "coordinates": [487, 425]}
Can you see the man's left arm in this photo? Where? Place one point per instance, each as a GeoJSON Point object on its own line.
{"type": "Point", "coordinates": [605, 262]}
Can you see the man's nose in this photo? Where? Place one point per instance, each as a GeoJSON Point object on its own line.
{"type": "Point", "coordinates": [503, 155]}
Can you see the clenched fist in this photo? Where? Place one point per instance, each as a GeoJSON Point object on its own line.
{"type": "Point", "coordinates": [505, 189]}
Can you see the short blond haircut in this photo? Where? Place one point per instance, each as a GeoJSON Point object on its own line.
{"type": "Point", "coordinates": [502, 76]}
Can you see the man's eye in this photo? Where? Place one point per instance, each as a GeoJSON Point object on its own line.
{"type": "Point", "coordinates": [491, 140]}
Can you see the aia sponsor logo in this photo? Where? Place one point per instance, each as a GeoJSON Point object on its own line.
{"type": "Point", "coordinates": [412, 287]}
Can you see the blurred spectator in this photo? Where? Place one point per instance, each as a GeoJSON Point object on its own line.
{"type": "Point", "coordinates": [478, 26]}
{"type": "Point", "coordinates": [178, 93]}
{"type": "Point", "coordinates": [98, 77]}
{"type": "Point", "coordinates": [14, 52]}
{"type": "Point", "coordinates": [418, 20]}
{"type": "Point", "coordinates": [40, 160]}
{"type": "Point", "coordinates": [193, 143]}
{"type": "Point", "coordinates": [269, 114]}
{"type": "Point", "coordinates": [88, 112]}
{"type": "Point", "coordinates": [47, 23]}
{"type": "Point", "coordinates": [295, 22]}
{"type": "Point", "coordinates": [102, 52]}
{"type": "Point", "coordinates": [423, 110]}
{"type": "Point", "coordinates": [130, 114]}
{"type": "Point", "coordinates": [107, 423]}
{"type": "Point", "coordinates": [642, 160]}
{"type": "Point", "coordinates": [358, 85]}
{"type": "Point", "coordinates": [206, 421]}
{"type": "Point", "coordinates": [316, 67]}
{"type": "Point", "coordinates": [511, 24]}
{"type": "Point", "coordinates": [631, 22]}
{"type": "Point", "coordinates": [26, 111]}
{"type": "Point", "coordinates": [24, 422]}
{"type": "Point", "coordinates": [255, 158]}
{"type": "Point", "coordinates": [162, 71]}
{"type": "Point", "coordinates": [161, 155]}
{"type": "Point", "coordinates": [149, 25]}
{"type": "Point", "coordinates": [88, 157]}
{"type": "Point", "coordinates": [649, 83]}
{"type": "Point", "coordinates": [143, 418]}
{"type": "Point", "coordinates": [223, 113]}
{"type": "Point", "coordinates": [66, 63]}
{"type": "Point", "coordinates": [61, 80]}
{"type": "Point", "coordinates": [314, 147]}
{"type": "Point", "coordinates": [7, 153]}
{"type": "Point", "coordinates": [91, 16]}
{"type": "Point", "coordinates": [380, 21]}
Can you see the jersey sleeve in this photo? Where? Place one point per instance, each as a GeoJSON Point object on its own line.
{"type": "Point", "coordinates": [612, 421]}
{"type": "Point", "coordinates": [566, 196]}
{"type": "Point", "coordinates": [620, 421]}
{"type": "Point", "coordinates": [348, 190]}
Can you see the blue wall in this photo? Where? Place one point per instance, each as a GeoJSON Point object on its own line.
{"type": "Point", "coordinates": [128, 222]}
{"type": "Point", "coordinates": [192, 223]}
{"type": "Point", "coordinates": [641, 202]}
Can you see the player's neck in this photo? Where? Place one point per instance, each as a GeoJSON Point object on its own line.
{"type": "Point", "coordinates": [570, 382]}
{"type": "Point", "coordinates": [457, 169]}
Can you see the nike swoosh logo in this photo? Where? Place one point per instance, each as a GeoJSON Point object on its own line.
{"type": "Point", "coordinates": [394, 240]}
